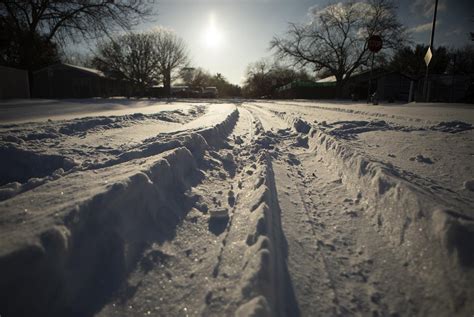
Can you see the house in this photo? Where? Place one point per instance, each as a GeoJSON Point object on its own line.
{"type": "Point", "coordinates": [389, 86]}
{"type": "Point", "coordinates": [300, 89]}
{"type": "Point", "coordinates": [13, 83]}
{"type": "Point", "coordinates": [70, 81]}
{"type": "Point", "coordinates": [449, 88]}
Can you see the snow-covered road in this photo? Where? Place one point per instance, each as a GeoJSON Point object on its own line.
{"type": "Point", "coordinates": [246, 208]}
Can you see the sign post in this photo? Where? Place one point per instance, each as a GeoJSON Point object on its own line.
{"type": "Point", "coordinates": [374, 43]}
{"type": "Point", "coordinates": [429, 55]}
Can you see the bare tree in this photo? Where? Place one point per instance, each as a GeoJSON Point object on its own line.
{"type": "Point", "coordinates": [143, 58]}
{"type": "Point", "coordinates": [64, 20]}
{"type": "Point", "coordinates": [264, 76]}
{"type": "Point", "coordinates": [131, 57]}
{"type": "Point", "coordinates": [257, 79]}
{"type": "Point", "coordinates": [336, 40]}
{"type": "Point", "coordinates": [195, 77]}
{"type": "Point", "coordinates": [172, 55]}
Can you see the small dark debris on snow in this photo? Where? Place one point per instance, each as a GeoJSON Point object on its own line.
{"type": "Point", "coordinates": [469, 185]}
{"type": "Point", "coordinates": [422, 159]}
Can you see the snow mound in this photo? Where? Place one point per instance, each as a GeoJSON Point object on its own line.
{"type": "Point", "coordinates": [409, 216]}
{"type": "Point", "coordinates": [87, 229]}
{"type": "Point", "coordinates": [452, 126]}
{"type": "Point", "coordinates": [55, 129]}
{"type": "Point", "coordinates": [193, 141]}
{"type": "Point", "coordinates": [18, 165]}
{"type": "Point", "coordinates": [96, 235]}
{"type": "Point", "coordinates": [22, 164]}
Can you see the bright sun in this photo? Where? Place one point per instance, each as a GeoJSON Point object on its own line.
{"type": "Point", "coordinates": [212, 37]}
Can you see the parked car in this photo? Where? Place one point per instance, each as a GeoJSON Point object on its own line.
{"type": "Point", "coordinates": [210, 92]}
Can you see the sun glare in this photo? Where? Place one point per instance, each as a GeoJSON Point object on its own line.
{"type": "Point", "coordinates": [212, 36]}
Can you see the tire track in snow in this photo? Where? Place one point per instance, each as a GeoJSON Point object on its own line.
{"type": "Point", "coordinates": [321, 246]}
{"type": "Point", "coordinates": [241, 129]}
{"type": "Point", "coordinates": [194, 255]}
{"type": "Point", "coordinates": [321, 258]}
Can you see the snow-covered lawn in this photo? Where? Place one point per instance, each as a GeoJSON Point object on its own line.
{"type": "Point", "coordinates": [244, 207]}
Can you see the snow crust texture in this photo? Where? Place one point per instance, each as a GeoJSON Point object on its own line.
{"type": "Point", "coordinates": [252, 208]}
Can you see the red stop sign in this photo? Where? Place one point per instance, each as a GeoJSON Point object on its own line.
{"type": "Point", "coordinates": [375, 43]}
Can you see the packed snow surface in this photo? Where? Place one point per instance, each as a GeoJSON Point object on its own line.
{"type": "Point", "coordinates": [122, 207]}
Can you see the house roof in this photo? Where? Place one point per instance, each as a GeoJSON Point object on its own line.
{"type": "Point", "coordinates": [90, 71]}
{"type": "Point", "coordinates": [376, 73]}
{"type": "Point", "coordinates": [329, 79]}
{"type": "Point", "coordinates": [11, 68]}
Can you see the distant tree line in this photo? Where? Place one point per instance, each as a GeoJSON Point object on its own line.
{"type": "Point", "coordinates": [197, 78]}
{"type": "Point", "coordinates": [264, 77]}
{"type": "Point", "coordinates": [410, 61]}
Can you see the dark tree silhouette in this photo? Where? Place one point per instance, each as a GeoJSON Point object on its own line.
{"type": "Point", "coordinates": [32, 25]}
{"type": "Point", "coordinates": [171, 54]}
{"type": "Point", "coordinates": [336, 39]}
{"type": "Point", "coordinates": [225, 88]}
{"type": "Point", "coordinates": [131, 57]}
{"type": "Point", "coordinates": [462, 60]}
{"type": "Point", "coordinates": [197, 78]}
{"type": "Point", "coordinates": [143, 58]}
{"type": "Point", "coordinates": [410, 61]}
{"type": "Point", "coordinates": [40, 51]}
{"type": "Point", "coordinates": [263, 77]}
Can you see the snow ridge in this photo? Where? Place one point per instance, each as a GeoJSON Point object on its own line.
{"type": "Point", "coordinates": [264, 272]}
{"type": "Point", "coordinates": [408, 215]}
{"type": "Point", "coordinates": [78, 251]}
{"type": "Point", "coordinates": [213, 136]}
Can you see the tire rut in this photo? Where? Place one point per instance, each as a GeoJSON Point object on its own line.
{"type": "Point", "coordinates": [180, 276]}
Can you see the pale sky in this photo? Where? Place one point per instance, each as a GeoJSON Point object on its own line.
{"type": "Point", "coordinates": [226, 35]}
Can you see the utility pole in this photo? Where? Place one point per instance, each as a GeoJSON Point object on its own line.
{"type": "Point", "coordinates": [429, 53]}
